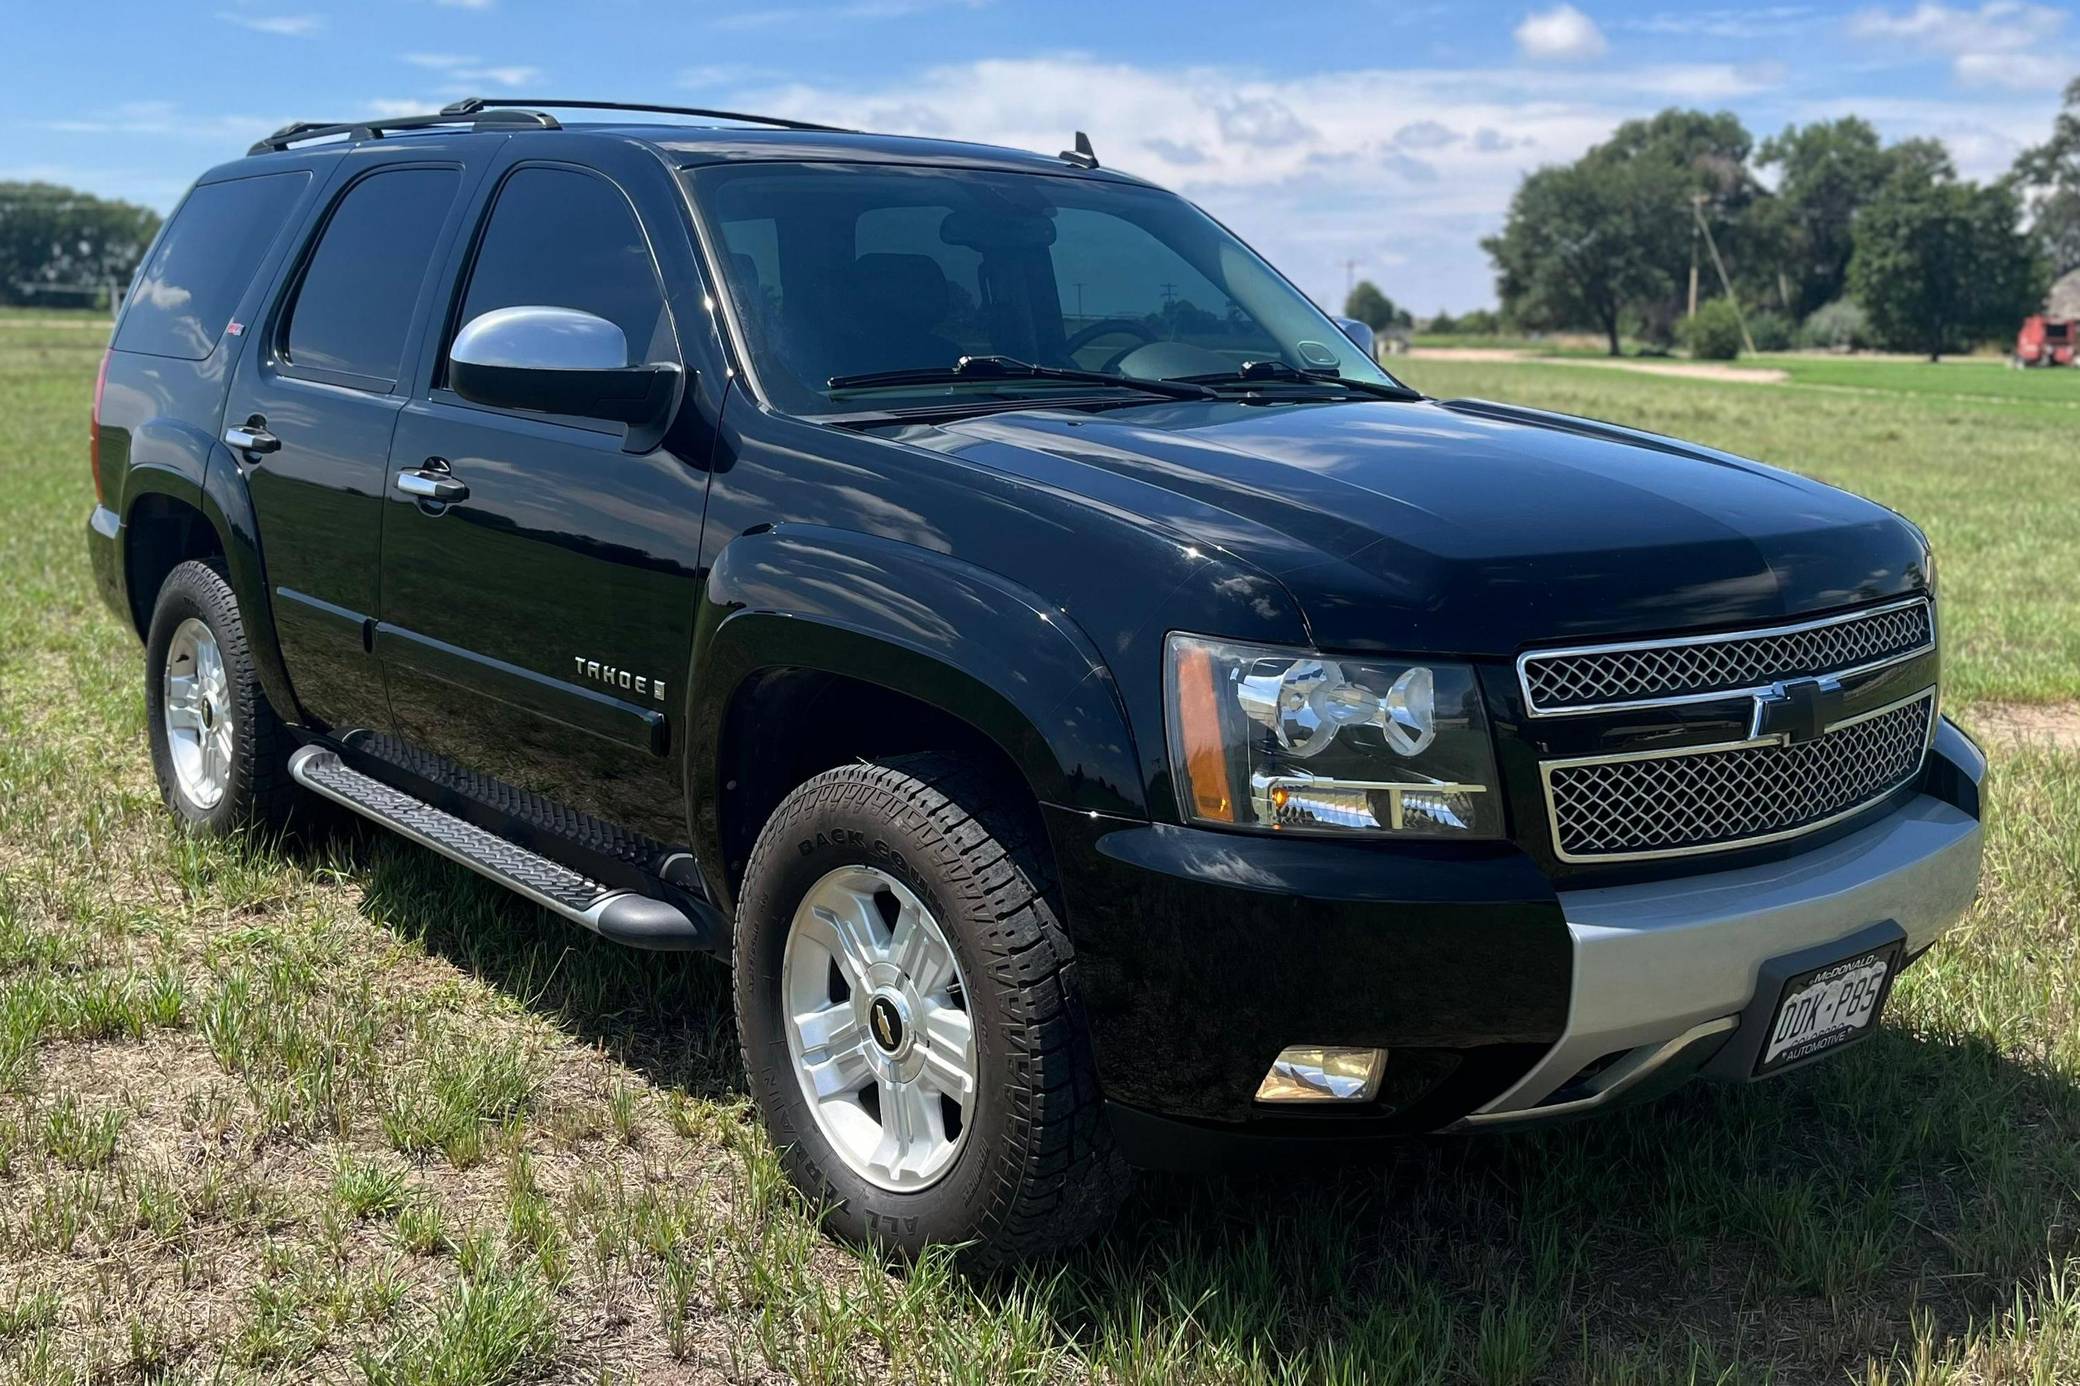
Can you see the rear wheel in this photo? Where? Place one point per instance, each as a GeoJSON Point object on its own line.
{"type": "Point", "coordinates": [906, 1001]}
{"type": "Point", "coordinates": [219, 751]}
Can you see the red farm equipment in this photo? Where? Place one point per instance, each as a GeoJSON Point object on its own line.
{"type": "Point", "coordinates": [2047, 341]}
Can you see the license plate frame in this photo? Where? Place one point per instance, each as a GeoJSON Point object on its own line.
{"type": "Point", "coordinates": [1838, 974]}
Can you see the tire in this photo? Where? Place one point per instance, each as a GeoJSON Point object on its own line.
{"type": "Point", "coordinates": [1035, 1170]}
{"type": "Point", "coordinates": [252, 778]}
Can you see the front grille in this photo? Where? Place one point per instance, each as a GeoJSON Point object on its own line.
{"type": "Point", "coordinates": [1709, 799]}
{"type": "Point", "coordinates": [1606, 676]}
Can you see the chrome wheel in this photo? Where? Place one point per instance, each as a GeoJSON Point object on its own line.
{"type": "Point", "coordinates": [196, 705]}
{"type": "Point", "coordinates": [878, 1028]}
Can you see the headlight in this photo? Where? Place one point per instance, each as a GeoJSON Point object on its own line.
{"type": "Point", "coordinates": [1287, 740]}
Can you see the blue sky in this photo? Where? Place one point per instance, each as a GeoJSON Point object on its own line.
{"type": "Point", "coordinates": [1389, 134]}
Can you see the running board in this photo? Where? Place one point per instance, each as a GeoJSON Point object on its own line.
{"type": "Point", "coordinates": [626, 917]}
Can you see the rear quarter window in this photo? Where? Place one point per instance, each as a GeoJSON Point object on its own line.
{"type": "Point", "coordinates": [203, 262]}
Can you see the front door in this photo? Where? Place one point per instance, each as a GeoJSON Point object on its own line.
{"type": "Point", "coordinates": [311, 412]}
{"type": "Point", "coordinates": [537, 628]}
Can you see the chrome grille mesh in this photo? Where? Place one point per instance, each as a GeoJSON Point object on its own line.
{"type": "Point", "coordinates": [1714, 799]}
{"type": "Point", "coordinates": [1571, 680]}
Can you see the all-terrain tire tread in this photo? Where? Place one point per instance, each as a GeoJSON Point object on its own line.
{"type": "Point", "coordinates": [1061, 1179]}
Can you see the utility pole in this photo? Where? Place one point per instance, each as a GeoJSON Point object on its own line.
{"type": "Point", "coordinates": [1693, 264]}
{"type": "Point", "coordinates": [1350, 279]}
{"type": "Point", "coordinates": [1725, 282]}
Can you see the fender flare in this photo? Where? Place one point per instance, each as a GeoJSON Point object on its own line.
{"type": "Point", "coordinates": [200, 473]}
{"type": "Point", "coordinates": [921, 623]}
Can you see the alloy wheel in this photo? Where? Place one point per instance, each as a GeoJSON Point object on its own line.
{"type": "Point", "coordinates": [196, 708]}
{"type": "Point", "coordinates": [878, 1028]}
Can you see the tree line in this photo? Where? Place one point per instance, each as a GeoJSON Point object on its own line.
{"type": "Point", "coordinates": [58, 245]}
{"type": "Point", "coordinates": [1859, 243]}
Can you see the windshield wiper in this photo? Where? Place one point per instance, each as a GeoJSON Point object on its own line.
{"type": "Point", "coordinates": [1275, 369]}
{"type": "Point", "coordinates": [1011, 368]}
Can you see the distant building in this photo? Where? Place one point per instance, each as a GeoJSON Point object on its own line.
{"type": "Point", "coordinates": [2065, 297]}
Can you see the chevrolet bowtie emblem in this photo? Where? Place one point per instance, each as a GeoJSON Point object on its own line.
{"type": "Point", "coordinates": [1797, 710]}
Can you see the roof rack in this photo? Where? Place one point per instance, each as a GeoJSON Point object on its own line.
{"type": "Point", "coordinates": [479, 117]}
{"type": "Point", "coordinates": [471, 105]}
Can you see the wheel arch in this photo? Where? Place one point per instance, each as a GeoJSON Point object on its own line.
{"type": "Point", "coordinates": [818, 646]}
{"type": "Point", "coordinates": [172, 514]}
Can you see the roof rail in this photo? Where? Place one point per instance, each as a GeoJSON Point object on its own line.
{"type": "Point", "coordinates": [470, 105]}
{"type": "Point", "coordinates": [479, 117]}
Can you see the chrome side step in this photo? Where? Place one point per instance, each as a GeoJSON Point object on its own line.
{"type": "Point", "coordinates": [626, 917]}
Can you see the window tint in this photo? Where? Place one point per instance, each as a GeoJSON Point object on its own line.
{"type": "Point", "coordinates": [561, 239]}
{"type": "Point", "coordinates": [355, 306]}
{"type": "Point", "coordinates": [204, 260]}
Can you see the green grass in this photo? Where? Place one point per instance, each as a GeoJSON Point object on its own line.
{"type": "Point", "coordinates": [1995, 482]}
{"type": "Point", "coordinates": [1954, 378]}
{"type": "Point", "coordinates": [336, 1110]}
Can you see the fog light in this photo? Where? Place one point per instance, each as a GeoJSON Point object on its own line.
{"type": "Point", "coordinates": [1323, 1073]}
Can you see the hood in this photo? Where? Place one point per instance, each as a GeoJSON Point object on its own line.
{"type": "Point", "coordinates": [1465, 527]}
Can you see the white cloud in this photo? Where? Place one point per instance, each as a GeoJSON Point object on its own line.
{"type": "Point", "coordinates": [1401, 169]}
{"type": "Point", "coordinates": [466, 73]}
{"type": "Point", "coordinates": [2016, 44]}
{"type": "Point", "coordinates": [1561, 34]}
{"type": "Point", "coordinates": [1770, 21]}
{"type": "Point", "coordinates": [2016, 71]}
{"type": "Point", "coordinates": [279, 25]}
{"type": "Point", "coordinates": [773, 16]}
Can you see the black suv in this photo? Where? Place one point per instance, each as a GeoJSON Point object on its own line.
{"type": "Point", "coordinates": [1105, 719]}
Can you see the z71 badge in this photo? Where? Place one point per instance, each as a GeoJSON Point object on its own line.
{"type": "Point", "coordinates": [639, 684]}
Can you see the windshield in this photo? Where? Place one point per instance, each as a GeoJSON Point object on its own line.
{"type": "Point", "coordinates": [843, 271]}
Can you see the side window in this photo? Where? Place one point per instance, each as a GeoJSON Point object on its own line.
{"type": "Point", "coordinates": [355, 304]}
{"type": "Point", "coordinates": [204, 260]}
{"type": "Point", "coordinates": [563, 239]}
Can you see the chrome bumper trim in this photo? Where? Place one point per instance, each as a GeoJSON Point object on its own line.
{"type": "Point", "coordinates": [1656, 964]}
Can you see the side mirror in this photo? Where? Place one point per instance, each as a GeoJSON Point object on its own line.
{"type": "Point", "coordinates": [1361, 334]}
{"type": "Point", "coordinates": [561, 361]}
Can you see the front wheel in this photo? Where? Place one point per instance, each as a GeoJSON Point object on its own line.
{"type": "Point", "coordinates": [906, 1001]}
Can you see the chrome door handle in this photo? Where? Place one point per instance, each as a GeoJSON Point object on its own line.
{"type": "Point", "coordinates": [445, 489]}
{"type": "Point", "coordinates": [251, 438]}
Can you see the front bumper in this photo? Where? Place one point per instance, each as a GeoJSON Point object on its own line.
{"type": "Point", "coordinates": [1502, 1002]}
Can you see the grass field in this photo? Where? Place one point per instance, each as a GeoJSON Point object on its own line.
{"type": "Point", "coordinates": [337, 1110]}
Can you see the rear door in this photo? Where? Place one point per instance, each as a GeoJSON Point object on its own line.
{"type": "Point", "coordinates": [311, 412]}
{"type": "Point", "coordinates": [538, 629]}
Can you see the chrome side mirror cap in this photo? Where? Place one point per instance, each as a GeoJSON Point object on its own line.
{"type": "Point", "coordinates": [1361, 334]}
{"type": "Point", "coordinates": [562, 361]}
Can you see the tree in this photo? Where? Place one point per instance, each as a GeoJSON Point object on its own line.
{"type": "Point", "coordinates": [1586, 240]}
{"type": "Point", "coordinates": [53, 237]}
{"type": "Point", "coordinates": [2050, 175]}
{"type": "Point", "coordinates": [1831, 168]}
{"type": "Point", "coordinates": [1940, 264]}
{"type": "Point", "coordinates": [1373, 308]}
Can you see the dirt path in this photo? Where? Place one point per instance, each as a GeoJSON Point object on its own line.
{"type": "Point", "coordinates": [1699, 370]}
{"type": "Point", "coordinates": [2027, 724]}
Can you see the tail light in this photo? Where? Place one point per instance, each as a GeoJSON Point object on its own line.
{"type": "Point", "coordinates": [94, 431]}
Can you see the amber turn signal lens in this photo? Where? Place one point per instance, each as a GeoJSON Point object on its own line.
{"type": "Point", "coordinates": [1199, 725]}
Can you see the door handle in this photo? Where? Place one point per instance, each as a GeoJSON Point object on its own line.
{"type": "Point", "coordinates": [251, 438]}
{"type": "Point", "coordinates": [445, 489]}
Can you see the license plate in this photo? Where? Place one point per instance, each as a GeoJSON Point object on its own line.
{"type": "Point", "coordinates": [1828, 1007]}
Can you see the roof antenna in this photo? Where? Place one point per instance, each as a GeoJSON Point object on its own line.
{"type": "Point", "coordinates": [1083, 156]}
